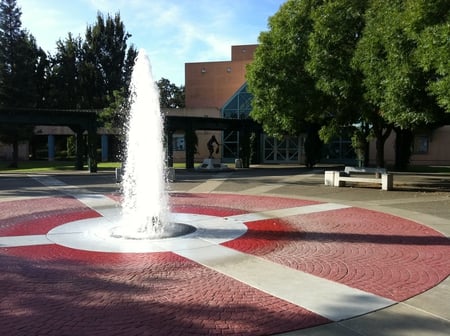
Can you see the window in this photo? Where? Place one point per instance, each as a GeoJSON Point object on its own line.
{"type": "Point", "coordinates": [178, 143]}
{"type": "Point", "coordinates": [239, 105]}
{"type": "Point", "coordinates": [421, 144]}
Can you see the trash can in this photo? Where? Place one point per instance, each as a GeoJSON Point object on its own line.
{"type": "Point", "coordinates": [238, 163]}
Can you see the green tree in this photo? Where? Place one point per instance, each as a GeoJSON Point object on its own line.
{"type": "Point", "coordinates": [65, 91]}
{"type": "Point", "coordinates": [170, 95]}
{"type": "Point", "coordinates": [313, 146]}
{"type": "Point", "coordinates": [428, 24]}
{"type": "Point", "coordinates": [115, 115]}
{"type": "Point", "coordinates": [105, 64]}
{"type": "Point", "coordinates": [22, 67]}
{"type": "Point", "coordinates": [285, 98]}
{"type": "Point", "coordinates": [337, 28]}
{"type": "Point", "coordinates": [392, 78]}
{"type": "Point", "coordinates": [94, 73]}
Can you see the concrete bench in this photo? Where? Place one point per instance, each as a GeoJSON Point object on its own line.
{"type": "Point", "coordinates": [339, 179]}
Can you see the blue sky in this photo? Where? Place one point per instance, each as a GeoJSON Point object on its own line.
{"type": "Point", "coordinates": [173, 32]}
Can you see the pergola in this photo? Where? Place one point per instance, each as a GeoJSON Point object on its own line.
{"type": "Point", "coordinates": [186, 124]}
{"type": "Point", "coordinates": [81, 121]}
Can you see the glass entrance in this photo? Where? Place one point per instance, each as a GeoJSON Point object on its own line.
{"type": "Point", "coordinates": [230, 146]}
{"type": "Point", "coordinates": [286, 150]}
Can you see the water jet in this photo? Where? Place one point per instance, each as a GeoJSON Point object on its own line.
{"type": "Point", "coordinates": [145, 199]}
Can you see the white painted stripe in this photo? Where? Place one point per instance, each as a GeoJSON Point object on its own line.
{"type": "Point", "coordinates": [30, 240]}
{"type": "Point", "coordinates": [296, 178]}
{"type": "Point", "coordinates": [48, 181]}
{"type": "Point", "coordinates": [262, 189]}
{"type": "Point", "coordinates": [206, 187]}
{"type": "Point", "coordinates": [211, 184]}
{"type": "Point", "coordinates": [327, 298]}
{"type": "Point", "coordinates": [285, 212]}
{"type": "Point", "coordinates": [100, 203]}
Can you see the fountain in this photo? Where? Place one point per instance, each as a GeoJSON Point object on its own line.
{"type": "Point", "coordinates": [145, 206]}
{"type": "Point", "coordinates": [144, 223]}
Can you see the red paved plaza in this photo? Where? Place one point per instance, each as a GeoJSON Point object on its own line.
{"type": "Point", "coordinates": [49, 289]}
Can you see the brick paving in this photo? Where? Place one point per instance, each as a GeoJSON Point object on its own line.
{"type": "Point", "coordinates": [54, 290]}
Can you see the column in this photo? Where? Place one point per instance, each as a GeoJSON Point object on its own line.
{"type": "Point", "coordinates": [51, 147]}
{"type": "Point", "coordinates": [104, 141]}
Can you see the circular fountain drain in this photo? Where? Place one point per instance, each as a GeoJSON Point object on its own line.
{"type": "Point", "coordinates": [171, 230]}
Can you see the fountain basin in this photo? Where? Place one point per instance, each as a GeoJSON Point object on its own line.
{"type": "Point", "coordinates": [194, 232]}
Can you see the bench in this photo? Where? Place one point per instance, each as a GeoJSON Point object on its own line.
{"type": "Point", "coordinates": [339, 179]}
{"type": "Point", "coordinates": [349, 170]}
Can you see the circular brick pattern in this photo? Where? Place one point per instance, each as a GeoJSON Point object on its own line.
{"type": "Point", "coordinates": [56, 290]}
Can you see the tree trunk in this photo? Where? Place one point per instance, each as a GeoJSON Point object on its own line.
{"type": "Point", "coordinates": [403, 141]}
{"type": "Point", "coordinates": [379, 158]}
{"type": "Point", "coordinates": [15, 154]}
{"type": "Point", "coordinates": [381, 137]}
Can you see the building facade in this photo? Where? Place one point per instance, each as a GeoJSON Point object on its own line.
{"type": "Point", "coordinates": [209, 85]}
{"type": "Point", "coordinates": [221, 87]}
{"type": "Point", "coordinates": [429, 148]}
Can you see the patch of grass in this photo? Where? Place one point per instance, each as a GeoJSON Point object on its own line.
{"type": "Point", "coordinates": [49, 166]}
{"type": "Point", "coordinates": [108, 165]}
{"type": "Point", "coordinates": [179, 165]}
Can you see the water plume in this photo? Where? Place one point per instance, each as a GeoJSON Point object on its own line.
{"type": "Point", "coordinates": [145, 205]}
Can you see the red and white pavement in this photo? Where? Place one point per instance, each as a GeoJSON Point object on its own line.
{"type": "Point", "coordinates": [255, 265]}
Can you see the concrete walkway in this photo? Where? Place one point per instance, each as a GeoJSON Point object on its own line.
{"type": "Point", "coordinates": [422, 198]}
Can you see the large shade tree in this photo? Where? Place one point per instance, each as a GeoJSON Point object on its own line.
{"type": "Point", "coordinates": [65, 91]}
{"type": "Point", "coordinates": [428, 24]}
{"type": "Point", "coordinates": [392, 78]}
{"type": "Point", "coordinates": [374, 65]}
{"type": "Point", "coordinates": [286, 100]}
{"type": "Point", "coordinates": [94, 73]}
{"type": "Point", "coordinates": [337, 28]}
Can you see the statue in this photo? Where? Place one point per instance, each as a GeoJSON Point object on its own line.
{"type": "Point", "coordinates": [210, 145]}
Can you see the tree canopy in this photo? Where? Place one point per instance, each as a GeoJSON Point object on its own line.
{"type": "Point", "coordinates": [170, 95]}
{"type": "Point", "coordinates": [284, 93]}
{"type": "Point", "coordinates": [372, 65]}
{"type": "Point", "coordinates": [428, 24]}
{"type": "Point", "coordinates": [22, 72]}
{"type": "Point", "coordinates": [85, 72]}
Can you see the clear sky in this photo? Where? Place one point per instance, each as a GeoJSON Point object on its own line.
{"type": "Point", "coordinates": [173, 32]}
